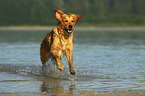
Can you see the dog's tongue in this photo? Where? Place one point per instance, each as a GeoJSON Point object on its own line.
{"type": "Point", "coordinates": [69, 31]}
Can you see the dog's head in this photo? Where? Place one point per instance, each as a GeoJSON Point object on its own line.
{"type": "Point", "coordinates": [67, 21]}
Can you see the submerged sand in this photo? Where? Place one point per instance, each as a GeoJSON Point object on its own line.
{"type": "Point", "coordinates": [101, 93]}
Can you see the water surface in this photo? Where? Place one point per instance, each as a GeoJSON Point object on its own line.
{"type": "Point", "coordinates": [104, 61]}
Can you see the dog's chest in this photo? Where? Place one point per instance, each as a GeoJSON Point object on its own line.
{"type": "Point", "coordinates": [65, 46]}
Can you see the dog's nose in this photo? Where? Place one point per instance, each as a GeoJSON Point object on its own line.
{"type": "Point", "coordinates": [70, 26]}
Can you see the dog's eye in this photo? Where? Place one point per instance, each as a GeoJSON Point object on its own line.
{"type": "Point", "coordinates": [72, 21]}
{"type": "Point", "coordinates": [65, 21]}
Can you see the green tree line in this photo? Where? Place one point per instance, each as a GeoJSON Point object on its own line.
{"type": "Point", "coordinates": [94, 12]}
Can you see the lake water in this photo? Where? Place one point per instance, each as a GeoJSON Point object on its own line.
{"type": "Point", "coordinates": [104, 61]}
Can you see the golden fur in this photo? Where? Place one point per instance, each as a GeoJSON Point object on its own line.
{"type": "Point", "coordinates": [59, 41]}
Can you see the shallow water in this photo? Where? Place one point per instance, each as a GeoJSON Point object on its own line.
{"type": "Point", "coordinates": [104, 61]}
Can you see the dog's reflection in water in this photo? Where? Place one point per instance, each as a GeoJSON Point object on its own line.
{"type": "Point", "coordinates": [55, 89]}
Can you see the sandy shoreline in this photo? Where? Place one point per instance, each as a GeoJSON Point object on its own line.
{"type": "Point", "coordinates": [76, 28]}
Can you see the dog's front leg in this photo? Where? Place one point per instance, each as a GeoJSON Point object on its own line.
{"type": "Point", "coordinates": [69, 56]}
{"type": "Point", "coordinates": [57, 58]}
{"type": "Point", "coordinates": [59, 63]}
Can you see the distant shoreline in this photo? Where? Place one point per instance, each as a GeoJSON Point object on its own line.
{"type": "Point", "coordinates": [76, 28]}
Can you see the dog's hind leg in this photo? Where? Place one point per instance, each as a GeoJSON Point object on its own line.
{"type": "Point", "coordinates": [44, 55]}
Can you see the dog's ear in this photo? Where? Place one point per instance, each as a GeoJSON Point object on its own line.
{"type": "Point", "coordinates": [58, 14]}
{"type": "Point", "coordinates": [78, 17]}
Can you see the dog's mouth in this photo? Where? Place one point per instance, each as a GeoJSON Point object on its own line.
{"type": "Point", "coordinates": [69, 30]}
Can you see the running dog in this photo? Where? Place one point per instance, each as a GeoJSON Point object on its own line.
{"type": "Point", "coordinates": [59, 41]}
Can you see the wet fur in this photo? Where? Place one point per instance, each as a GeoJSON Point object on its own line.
{"type": "Point", "coordinates": [59, 41]}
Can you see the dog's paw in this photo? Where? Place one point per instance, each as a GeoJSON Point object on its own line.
{"type": "Point", "coordinates": [72, 72]}
{"type": "Point", "coordinates": [61, 68]}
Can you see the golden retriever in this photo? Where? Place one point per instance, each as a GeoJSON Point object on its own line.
{"type": "Point", "coordinates": [59, 41]}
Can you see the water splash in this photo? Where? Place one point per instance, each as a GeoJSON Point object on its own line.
{"type": "Point", "coordinates": [52, 71]}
